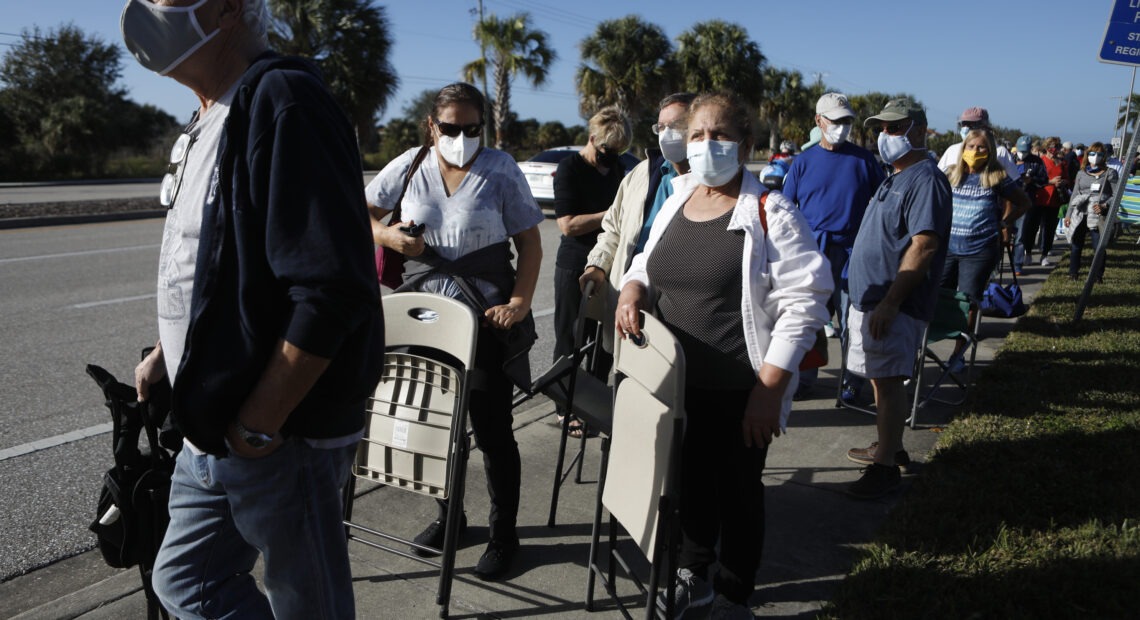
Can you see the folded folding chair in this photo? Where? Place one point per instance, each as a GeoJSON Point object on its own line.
{"type": "Point", "coordinates": [416, 430]}
{"type": "Point", "coordinates": [951, 320]}
{"type": "Point", "coordinates": [641, 493]}
{"type": "Point", "coordinates": [572, 382]}
{"type": "Point", "coordinates": [1129, 213]}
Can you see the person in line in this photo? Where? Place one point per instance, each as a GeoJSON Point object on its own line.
{"type": "Point", "coordinates": [473, 201]}
{"type": "Point", "coordinates": [626, 224]}
{"type": "Point", "coordinates": [745, 300]}
{"type": "Point", "coordinates": [1033, 178]}
{"type": "Point", "coordinates": [832, 185]}
{"type": "Point", "coordinates": [893, 280]}
{"type": "Point", "coordinates": [1088, 207]}
{"type": "Point", "coordinates": [975, 118]}
{"type": "Point", "coordinates": [584, 187]}
{"type": "Point", "coordinates": [269, 318]}
{"type": "Point", "coordinates": [1054, 194]}
{"type": "Point", "coordinates": [986, 204]}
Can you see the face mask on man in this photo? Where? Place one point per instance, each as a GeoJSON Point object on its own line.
{"type": "Point", "coordinates": [892, 148]}
{"type": "Point", "coordinates": [836, 134]}
{"type": "Point", "coordinates": [459, 150]}
{"type": "Point", "coordinates": [672, 143]}
{"type": "Point", "coordinates": [964, 131]}
{"type": "Point", "coordinates": [1079, 152]}
{"type": "Point", "coordinates": [714, 162]}
{"type": "Point", "coordinates": [161, 37]}
{"type": "Point", "coordinates": [1020, 155]}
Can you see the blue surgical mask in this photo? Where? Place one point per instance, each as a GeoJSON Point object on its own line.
{"type": "Point", "coordinates": [672, 143]}
{"type": "Point", "coordinates": [714, 162]}
{"type": "Point", "coordinates": [891, 148]}
{"type": "Point", "coordinates": [161, 37]}
{"type": "Point", "coordinates": [964, 132]}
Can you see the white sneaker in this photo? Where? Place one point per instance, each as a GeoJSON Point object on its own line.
{"type": "Point", "coordinates": [1045, 262]}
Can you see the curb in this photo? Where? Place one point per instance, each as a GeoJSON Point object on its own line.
{"type": "Point", "coordinates": [65, 220]}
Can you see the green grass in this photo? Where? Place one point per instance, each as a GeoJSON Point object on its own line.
{"type": "Point", "coordinates": [1030, 505]}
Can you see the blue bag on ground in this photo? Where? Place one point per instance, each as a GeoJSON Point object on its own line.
{"type": "Point", "coordinates": [1003, 301]}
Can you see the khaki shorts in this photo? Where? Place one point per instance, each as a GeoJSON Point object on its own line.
{"type": "Point", "coordinates": [891, 356]}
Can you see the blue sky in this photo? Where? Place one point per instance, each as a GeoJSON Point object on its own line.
{"type": "Point", "coordinates": [1032, 64]}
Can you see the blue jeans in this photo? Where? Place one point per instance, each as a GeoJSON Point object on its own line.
{"type": "Point", "coordinates": [286, 507]}
{"type": "Point", "coordinates": [971, 272]}
{"type": "Point", "coordinates": [839, 305]}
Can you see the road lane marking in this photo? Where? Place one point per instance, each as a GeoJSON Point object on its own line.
{"type": "Point", "coordinates": [19, 259]}
{"type": "Point", "coordinates": [106, 302]}
{"type": "Point", "coordinates": [51, 442]}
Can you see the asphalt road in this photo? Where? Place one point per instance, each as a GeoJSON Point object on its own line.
{"type": "Point", "coordinates": [74, 295]}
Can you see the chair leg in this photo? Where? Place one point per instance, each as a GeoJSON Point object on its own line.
{"type": "Point", "coordinates": [561, 460]}
{"type": "Point", "coordinates": [595, 532]}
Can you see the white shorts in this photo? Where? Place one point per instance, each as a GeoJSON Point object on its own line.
{"type": "Point", "coordinates": [892, 356]}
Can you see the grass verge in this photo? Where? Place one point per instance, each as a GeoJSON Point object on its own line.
{"type": "Point", "coordinates": [1030, 506]}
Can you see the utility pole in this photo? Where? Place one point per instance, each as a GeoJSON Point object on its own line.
{"type": "Point", "coordinates": [486, 95]}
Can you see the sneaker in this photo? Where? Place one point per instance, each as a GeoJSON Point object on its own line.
{"type": "Point", "coordinates": [829, 331]}
{"type": "Point", "coordinates": [877, 481]}
{"type": "Point", "coordinates": [866, 456]}
{"type": "Point", "coordinates": [849, 395]}
{"type": "Point", "coordinates": [496, 560]}
{"type": "Point", "coordinates": [432, 536]}
{"type": "Point", "coordinates": [1045, 262]}
{"type": "Point", "coordinates": [724, 609]}
{"type": "Point", "coordinates": [691, 592]}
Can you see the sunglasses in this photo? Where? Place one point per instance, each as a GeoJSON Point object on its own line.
{"type": "Point", "coordinates": [451, 130]}
{"type": "Point", "coordinates": [897, 127]}
{"type": "Point", "coordinates": [172, 180]}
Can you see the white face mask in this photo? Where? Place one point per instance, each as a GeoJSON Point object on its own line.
{"type": "Point", "coordinates": [1078, 152]}
{"type": "Point", "coordinates": [672, 143]}
{"type": "Point", "coordinates": [963, 131]}
{"type": "Point", "coordinates": [459, 150]}
{"type": "Point", "coordinates": [714, 162]}
{"type": "Point", "coordinates": [1020, 155]}
{"type": "Point", "coordinates": [836, 134]}
{"type": "Point", "coordinates": [162, 37]}
{"type": "Point", "coordinates": [891, 148]}
{"type": "Point", "coordinates": [1094, 159]}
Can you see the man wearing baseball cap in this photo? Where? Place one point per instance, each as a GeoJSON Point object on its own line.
{"type": "Point", "coordinates": [893, 277]}
{"type": "Point", "coordinates": [832, 184]}
{"type": "Point", "coordinates": [976, 118]}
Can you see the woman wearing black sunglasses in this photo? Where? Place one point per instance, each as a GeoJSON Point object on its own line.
{"type": "Point", "coordinates": [471, 202]}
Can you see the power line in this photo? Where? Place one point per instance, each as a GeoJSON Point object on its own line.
{"type": "Point", "coordinates": [553, 14]}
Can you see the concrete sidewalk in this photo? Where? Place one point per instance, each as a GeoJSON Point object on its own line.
{"type": "Point", "coordinates": [813, 529]}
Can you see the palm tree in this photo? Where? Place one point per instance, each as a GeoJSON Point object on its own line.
{"type": "Point", "coordinates": [350, 40]}
{"type": "Point", "coordinates": [625, 63]}
{"type": "Point", "coordinates": [1131, 110]}
{"type": "Point", "coordinates": [788, 104]}
{"type": "Point", "coordinates": [716, 55]}
{"type": "Point", "coordinates": [514, 48]}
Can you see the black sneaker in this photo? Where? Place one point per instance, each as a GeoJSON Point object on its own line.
{"type": "Point", "coordinates": [866, 456]}
{"type": "Point", "coordinates": [432, 536]}
{"type": "Point", "coordinates": [877, 481]}
{"type": "Point", "coordinates": [691, 592]}
{"type": "Point", "coordinates": [724, 609]}
{"type": "Point", "coordinates": [496, 560]}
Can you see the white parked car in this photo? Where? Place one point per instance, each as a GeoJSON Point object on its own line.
{"type": "Point", "coordinates": [539, 170]}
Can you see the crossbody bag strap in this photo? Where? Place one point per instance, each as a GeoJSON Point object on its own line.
{"type": "Point", "coordinates": [416, 161]}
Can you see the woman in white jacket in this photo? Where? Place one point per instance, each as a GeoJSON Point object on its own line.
{"type": "Point", "coordinates": [745, 294]}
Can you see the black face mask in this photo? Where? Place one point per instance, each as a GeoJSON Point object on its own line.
{"type": "Point", "coordinates": [611, 159]}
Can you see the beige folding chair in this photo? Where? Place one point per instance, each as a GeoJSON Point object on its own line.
{"type": "Point", "coordinates": [572, 382]}
{"type": "Point", "coordinates": [415, 435]}
{"type": "Point", "coordinates": [641, 494]}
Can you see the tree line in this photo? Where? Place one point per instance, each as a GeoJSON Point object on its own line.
{"type": "Point", "coordinates": [62, 113]}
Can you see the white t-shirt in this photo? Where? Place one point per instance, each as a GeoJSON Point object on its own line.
{"type": "Point", "coordinates": [183, 229]}
{"type": "Point", "coordinates": [954, 152]}
{"type": "Point", "coordinates": [491, 204]}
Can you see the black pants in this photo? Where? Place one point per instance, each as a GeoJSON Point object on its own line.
{"type": "Point", "coordinates": [1043, 219]}
{"type": "Point", "coordinates": [1077, 245]}
{"type": "Point", "coordinates": [722, 493]}
{"type": "Point", "coordinates": [567, 301]}
{"type": "Point", "coordinates": [489, 410]}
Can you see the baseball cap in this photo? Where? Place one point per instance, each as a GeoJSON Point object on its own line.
{"type": "Point", "coordinates": [834, 106]}
{"type": "Point", "coordinates": [897, 110]}
{"type": "Point", "coordinates": [1066, 145]}
{"type": "Point", "coordinates": [813, 138]}
{"type": "Point", "coordinates": [1024, 144]}
{"type": "Point", "coordinates": [975, 115]}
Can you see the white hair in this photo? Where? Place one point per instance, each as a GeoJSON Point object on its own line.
{"type": "Point", "coordinates": [256, 17]}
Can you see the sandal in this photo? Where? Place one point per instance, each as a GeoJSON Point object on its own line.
{"type": "Point", "coordinates": [575, 429]}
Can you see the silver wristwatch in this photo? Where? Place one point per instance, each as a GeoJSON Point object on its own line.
{"type": "Point", "coordinates": [253, 439]}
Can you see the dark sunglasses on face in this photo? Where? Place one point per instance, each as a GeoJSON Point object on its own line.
{"type": "Point", "coordinates": [897, 128]}
{"type": "Point", "coordinates": [452, 130]}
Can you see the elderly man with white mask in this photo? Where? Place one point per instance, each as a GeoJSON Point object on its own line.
{"type": "Point", "coordinates": [268, 318]}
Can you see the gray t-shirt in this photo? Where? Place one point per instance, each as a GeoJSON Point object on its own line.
{"type": "Point", "coordinates": [492, 203]}
{"type": "Point", "coordinates": [913, 201]}
{"type": "Point", "coordinates": [183, 227]}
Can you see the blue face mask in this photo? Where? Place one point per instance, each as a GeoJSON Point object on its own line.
{"type": "Point", "coordinates": [964, 131]}
{"type": "Point", "coordinates": [161, 37]}
{"type": "Point", "coordinates": [891, 148]}
{"type": "Point", "coordinates": [714, 162]}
